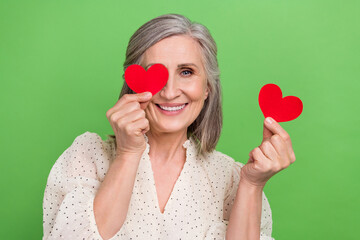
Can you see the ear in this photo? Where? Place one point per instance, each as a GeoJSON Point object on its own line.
{"type": "Point", "coordinates": [206, 93]}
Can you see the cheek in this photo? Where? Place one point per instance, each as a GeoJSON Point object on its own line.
{"type": "Point", "coordinates": [195, 91]}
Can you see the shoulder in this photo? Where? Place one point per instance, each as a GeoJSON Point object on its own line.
{"type": "Point", "coordinates": [221, 160]}
{"type": "Point", "coordinates": [89, 151]}
{"type": "Point", "coordinates": [91, 142]}
{"type": "Point", "coordinates": [87, 138]}
{"type": "Point", "coordinates": [221, 167]}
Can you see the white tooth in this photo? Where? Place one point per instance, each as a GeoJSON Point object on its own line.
{"type": "Point", "coordinates": [172, 108]}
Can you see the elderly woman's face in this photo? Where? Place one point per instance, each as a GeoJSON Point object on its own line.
{"type": "Point", "coordinates": [178, 104]}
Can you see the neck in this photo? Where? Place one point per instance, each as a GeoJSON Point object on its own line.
{"type": "Point", "coordinates": [167, 148]}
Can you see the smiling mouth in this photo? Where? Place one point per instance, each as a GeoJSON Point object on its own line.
{"type": "Point", "coordinates": [171, 109]}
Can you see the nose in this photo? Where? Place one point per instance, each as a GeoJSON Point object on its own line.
{"type": "Point", "coordinates": [171, 89]}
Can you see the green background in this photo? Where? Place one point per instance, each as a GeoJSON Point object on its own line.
{"type": "Point", "coordinates": [60, 71]}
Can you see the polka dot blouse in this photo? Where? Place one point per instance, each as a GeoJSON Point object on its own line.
{"type": "Point", "coordinates": [198, 208]}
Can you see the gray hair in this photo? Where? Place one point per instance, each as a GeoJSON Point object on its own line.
{"type": "Point", "coordinates": [206, 128]}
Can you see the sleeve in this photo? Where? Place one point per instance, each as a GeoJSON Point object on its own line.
{"type": "Point", "coordinates": [266, 216]}
{"type": "Point", "coordinates": [218, 231]}
{"type": "Point", "coordinates": [70, 192]}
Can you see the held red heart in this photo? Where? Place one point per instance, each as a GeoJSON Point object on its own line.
{"type": "Point", "coordinates": [152, 80]}
{"type": "Point", "coordinates": [272, 104]}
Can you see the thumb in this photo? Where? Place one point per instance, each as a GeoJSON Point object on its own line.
{"type": "Point", "coordinates": [145, 100]}
{"type": "Point", "coordinates": [266, 132]}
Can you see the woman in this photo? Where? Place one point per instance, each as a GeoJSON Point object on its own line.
{"type": "Point", "coordinates": [159, 176]}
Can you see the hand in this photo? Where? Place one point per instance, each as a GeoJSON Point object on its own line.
{"type": "Point", "coordinates": [273, 155]}
{"type": "Point", "coordinates": [127, 119]}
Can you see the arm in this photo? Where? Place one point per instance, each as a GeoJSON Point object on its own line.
{"type": "Point", "coordinates": [245, 217]}
{"type": "Point", "coordinates": [113, 197]}
{"type": "Point", "coordinates": [273, 155]}
{"type": "Point", "coordinates": [70, 191]}
{"type": "Point", "coordinates": [68, 204]}
{"type": "Point", "coordinates": [234, 192]}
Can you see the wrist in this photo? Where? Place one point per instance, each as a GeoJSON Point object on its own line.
{"type": "Point", "coordinates": [128, 158]}
{"type": "Point", "coordinates": [251, 186]}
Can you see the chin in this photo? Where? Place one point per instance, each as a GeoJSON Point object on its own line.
{"type": "Point", "coordinates": [169, 128]}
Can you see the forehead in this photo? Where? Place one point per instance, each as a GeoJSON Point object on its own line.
{"type": "Point", "coordinates": [175, 49]}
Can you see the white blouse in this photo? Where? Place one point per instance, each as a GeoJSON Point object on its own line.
{"type": "Point", "coordinates": [198, 208]}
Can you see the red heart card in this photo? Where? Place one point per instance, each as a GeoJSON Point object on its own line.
{"type": "Point", "coordinates": [272, 104]}
{"type": "Point", "coordinates": [152, 80]}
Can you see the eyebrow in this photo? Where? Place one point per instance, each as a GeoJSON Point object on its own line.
{"type": "Point", "coordinates": [179, 66]}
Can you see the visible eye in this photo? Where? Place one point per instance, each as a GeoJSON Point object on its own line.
{"type": "Point", "coordinates": [187, 72]}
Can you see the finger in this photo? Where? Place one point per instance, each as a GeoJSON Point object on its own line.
{"type": "Point", "coordinates": [132, 116]}
{"type": "Point", "coordinates": [141, 126]}
{"type": "Point", "coordinates": [124, 111]}
{"type": "Point", "coordinates": [138, 97]}
{"type": "Point", "coordinates": [147, 128]}
{"type": "Point", "coordinates": [281, 149]}
{"type": "Point", "coordinates": [251, 159]}
{"type": "Point", "coordinates": [275, 128]}
{"type": "Point", "coordinates": [260, 160]}
{"type": "Point", "coordinates": [268, 150]}
{"type": "Point", "coordinates": [266, 133]}
{"type": "Point", "coordinates": [144, 105]}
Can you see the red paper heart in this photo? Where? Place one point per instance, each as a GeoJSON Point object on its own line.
{"type": "Point", "coordinates": [152, 80]}
{"type": "Point", "coordinates": [272, 104]}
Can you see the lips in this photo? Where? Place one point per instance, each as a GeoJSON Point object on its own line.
{"type": "Point", "coordinates": [170, 104]}
{"type": "Point", "coordinates": [174, 105]}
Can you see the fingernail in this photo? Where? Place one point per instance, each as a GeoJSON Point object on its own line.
{"type": "Point", "coordinates": [269, 120]}
{"type": "Point", "coordinates": [148, 94]}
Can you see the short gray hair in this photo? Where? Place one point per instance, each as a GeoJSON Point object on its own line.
{"type": "Point", "coordinates": [206, 128]}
